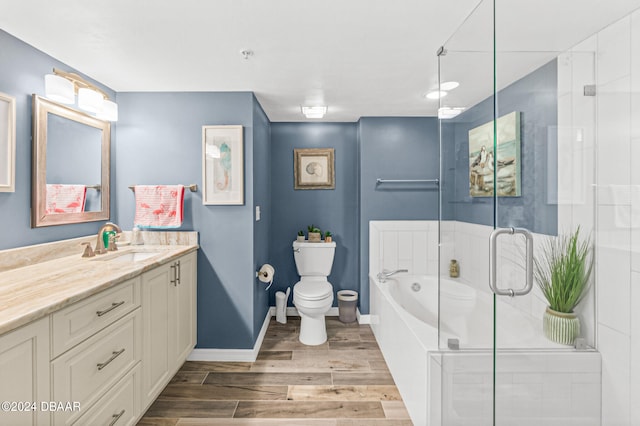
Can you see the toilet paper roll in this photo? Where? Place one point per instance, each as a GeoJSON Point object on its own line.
{"type": "Point", "coordinates": [266, 273]}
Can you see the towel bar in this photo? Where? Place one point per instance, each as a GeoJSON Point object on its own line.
{"type": "Point", "coordinates": [96, 187]}
{"type": "Point", "coordinates": [192, 187]}
{"type": "Point", "coordinates": [379, 181]}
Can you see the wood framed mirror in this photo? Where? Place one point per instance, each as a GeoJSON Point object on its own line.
{"type": "Point", "coordinates": [70, 165]}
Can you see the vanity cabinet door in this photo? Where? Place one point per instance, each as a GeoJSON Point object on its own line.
{"type": "Point", "coordinates": [156, 300]}
{"type": "Point", "coordinates": [169, 322]}
{"type": "Point", "coordinates": [184, 309]}
{"type": "Point", "coordinates": [24, 374]}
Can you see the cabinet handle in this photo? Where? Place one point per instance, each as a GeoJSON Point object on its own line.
{"type": "Point", "coordinates": [174, 281]}
{"type": "Point", "coordinates": [179, 272]}
{"type": "Point", "coordinates": [110, 308]}
{"type": "Point", "coordinates": [116, 417]}
{"type": "Point", "coordinates": [114, 355]}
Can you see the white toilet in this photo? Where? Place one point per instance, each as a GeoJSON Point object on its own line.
{"type": "Point", "coordinates": [313, 294]}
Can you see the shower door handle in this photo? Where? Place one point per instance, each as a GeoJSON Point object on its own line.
{"type": "Point", "coordinates": [493, 275]}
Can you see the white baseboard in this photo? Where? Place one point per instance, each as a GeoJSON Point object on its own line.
{"type": "Point", "coordinates": [237, 355]}
{"type": "Point", "coordinates": [363, 318]}
{"type": "Point", "coordinates": [250, 355]}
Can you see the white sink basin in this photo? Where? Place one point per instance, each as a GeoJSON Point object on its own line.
{"type": "Point", "coordinates": [129, 256]}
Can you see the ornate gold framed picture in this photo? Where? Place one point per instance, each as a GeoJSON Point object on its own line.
{"type": "Point", "coordinates": [314, 168]}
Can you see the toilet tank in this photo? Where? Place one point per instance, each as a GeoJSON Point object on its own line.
{"type": "Point", "coordinates": [314, 259]}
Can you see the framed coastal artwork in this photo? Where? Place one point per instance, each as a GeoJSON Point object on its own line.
{"type": "Point", "coordinates": [222, 165]}
{"type": "Point", "coordinates": [507, 182]}
{"type": "Point", "coordinates": [7, 142]}
{"type": "Point", "coordinates": [314, 168]}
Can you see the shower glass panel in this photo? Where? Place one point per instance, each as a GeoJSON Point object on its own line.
{"type": "Point", "coordinates": [520, 155]}
{"type": "Point", "coordinates": [466, 307]}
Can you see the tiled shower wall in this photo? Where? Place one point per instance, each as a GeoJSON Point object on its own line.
{"type": "Point", "coordinates": [403, 244]}
{"type": "Point", "coordinates": [608, 146]}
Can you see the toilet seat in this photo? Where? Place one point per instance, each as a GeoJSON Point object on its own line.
{"type": "Point", "coordinates": [313, 290]}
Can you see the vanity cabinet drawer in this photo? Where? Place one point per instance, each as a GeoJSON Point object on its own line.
{"type": "Point", "coordinates": [83, 319]}
{"type": "Point", "coordinates": [119, 406]}
{"type": "Point", "coordinates": [85, 372]}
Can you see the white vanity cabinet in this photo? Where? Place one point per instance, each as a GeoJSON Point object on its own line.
{"type": "Point", "coordinates": [184, 332]}
{"type": "Point", "coordinates": [95, 342]}
{"type": "Point", "coordinates": [24, 374]}
{"type": "Point", "coordinates": [169, 322]}
{"type": "Point", "coordinates": [103, 359]}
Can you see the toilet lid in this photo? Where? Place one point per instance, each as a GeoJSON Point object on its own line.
{"type": "Point", "coordinates": [312, 290]}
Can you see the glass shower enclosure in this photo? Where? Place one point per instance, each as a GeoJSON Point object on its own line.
{"type": "Point", "coordinates": [518, 167]}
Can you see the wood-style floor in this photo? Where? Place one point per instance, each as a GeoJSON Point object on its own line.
{"type": "Point", "coordinates": [343, 382]}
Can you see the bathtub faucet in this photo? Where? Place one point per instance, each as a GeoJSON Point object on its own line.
{"type": "Point", "coordinates": [382, 276]}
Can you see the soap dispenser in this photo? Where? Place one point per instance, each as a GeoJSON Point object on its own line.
{"type": "Point", "coordinates": [136, 236]}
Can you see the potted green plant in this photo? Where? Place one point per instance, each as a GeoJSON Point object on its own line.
{"type": "Point", "coordinates": [300, 237]}
{"type": "Point", "coordinates": [328, 237]}
{"type": "Point", "coordinates": [314, 233]}
{"type": "Point", "coordinates": [563, 272]}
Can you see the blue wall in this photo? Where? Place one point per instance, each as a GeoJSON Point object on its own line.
{"type": "Point", "coordinates": [535, 96]}
{"type": "Point", "coordinates": [22, 71]}
{"type": "Point", "coordinates": [262, 198]}
{"type": "Point", "coordinates": [335, 210]}
{"type": "Point", "coordinates": [391, 148]}
{"type": "Point", "coordinates": [395, 148]}
{"type": "Point", "coordinates": [160, 141]}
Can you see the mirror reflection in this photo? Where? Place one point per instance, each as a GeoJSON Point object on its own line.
{"type": "Point", "coordinates": [71, 165]}
{"type": "Point", "coordinates": [64, 172]}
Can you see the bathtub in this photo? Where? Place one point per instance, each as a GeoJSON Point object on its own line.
{"type": "Point", "coordinates": [431, 378]}
{"type": "Point", "coordinates": [465, 314]}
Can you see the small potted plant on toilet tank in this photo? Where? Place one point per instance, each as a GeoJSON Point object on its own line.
{"type": "Point", "coordinates": [300, 237]}
{"type": "Point", "coordinates": [314, 233]}
{"type": "Point", "coordinates": [328, 237]}
{"type": "Point", "coordinates": [563, 272]}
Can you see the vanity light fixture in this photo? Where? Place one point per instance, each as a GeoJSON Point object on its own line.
{"type": "Point", "coordinates": [109, 111]}
{"type": "Point", "coordinates": [59, 89]}
{"type": "Point", "coordinates": [61, 86]}
{"type": "Point", "coordinates": [314, 111]}
{"type": "Point", "coordinates": [90, 100]}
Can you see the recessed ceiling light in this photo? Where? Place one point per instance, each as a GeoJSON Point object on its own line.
{"type": "Point", "coordinates": [314, 111]}
{"type": "Point", "coordinates": [436, 94]}
{"type": "Point", "coordinates": [449, 85]}
{"type": "Point", "coordinates": [445, 113]}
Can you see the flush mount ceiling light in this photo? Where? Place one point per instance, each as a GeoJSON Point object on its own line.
{"type": "Point", "coordinates": [314, 111]}
{"type": "Point", "coordinates": [62, 86]}
{"type": "Point", "coordinates": [436, 94]}
{"type": "Point", "coordinates": [449, 85]}
{"type": "Point", "coordinates": [446, 113]}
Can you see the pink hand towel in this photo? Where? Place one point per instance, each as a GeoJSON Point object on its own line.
{"type": "Point", "coordinates": [65, 198]}
{"type": "Point", "coordinates": [159, 206]}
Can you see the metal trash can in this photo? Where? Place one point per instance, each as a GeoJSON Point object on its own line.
{"type": "Point", "coordinates": [347, 302]}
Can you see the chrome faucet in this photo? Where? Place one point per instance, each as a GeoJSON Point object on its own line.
{"type": "Point", "coordinates": [109, 226]}
{"type": "Point", "coordinates": [382, 276]}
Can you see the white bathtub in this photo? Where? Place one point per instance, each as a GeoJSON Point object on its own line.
{"type": "Point", "coordinates": [404, 319]}
{"type": "Point", "coordinates": [465, 314]}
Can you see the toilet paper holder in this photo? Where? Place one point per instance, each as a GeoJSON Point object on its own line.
{"type": "Point", "coordinates": [265, 274]}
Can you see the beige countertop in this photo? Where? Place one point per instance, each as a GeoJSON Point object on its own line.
{"type": "Point", "coordinates": [33, 291]}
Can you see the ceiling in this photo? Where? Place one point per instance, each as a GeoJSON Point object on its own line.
{"type": "Point", "coordinates": [361, 58]}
